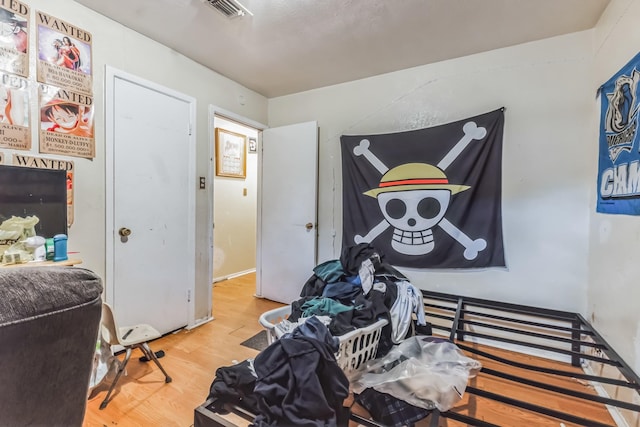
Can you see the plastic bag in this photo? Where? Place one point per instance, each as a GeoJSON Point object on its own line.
{"type": "Point", "coordinates": [105, 364]}
{"type": "Point", "coordinates": [12, 231]}
{"type": "Point", "coordinates": [423, 371]}
{"type": "Point", "coordinates": [19, 228]}
{"type": "Point", "coordinates": [17, 254]}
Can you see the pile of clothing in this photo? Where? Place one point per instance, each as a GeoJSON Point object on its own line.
{"type": "Point", "coordinates": [296, 380]}
{"type": "Point", "coordinates": [293, 382]}
{"type": "Point", "coordinates": [356, 291]}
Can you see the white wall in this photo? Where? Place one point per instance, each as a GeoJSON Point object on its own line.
{"type": "Point", "coordinates": [119, 47]}
{"type": "Point", "coordinates": [614, 291]}
{"type": "Point", "coordinates": [547, 89]}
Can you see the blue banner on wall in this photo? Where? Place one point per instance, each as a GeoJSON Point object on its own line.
{"type": "Point", "coordinates": [619, 148]}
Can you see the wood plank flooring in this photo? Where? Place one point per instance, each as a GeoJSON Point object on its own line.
{"type": "Point", "coordinates": [143, 399]}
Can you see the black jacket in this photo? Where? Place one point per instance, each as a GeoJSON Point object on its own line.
{"type": "Point", "coordinates": [299, 382]}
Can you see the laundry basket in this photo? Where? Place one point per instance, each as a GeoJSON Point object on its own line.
{"type": "Point", "coordinates": [356, 347]}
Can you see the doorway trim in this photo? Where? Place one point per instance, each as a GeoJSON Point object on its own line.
{"type": "Point", "coordinates": [111, 74]}
{"type": "Point", "coordinates": [221, 112]}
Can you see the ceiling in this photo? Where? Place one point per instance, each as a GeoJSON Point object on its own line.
{"type": "Point", "coordinates": [290, 46]}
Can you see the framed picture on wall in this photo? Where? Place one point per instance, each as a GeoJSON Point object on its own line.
{"type": "Point", "coordinates": [231, 159]}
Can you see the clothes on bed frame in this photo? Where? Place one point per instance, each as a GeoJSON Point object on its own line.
{"type": "Point", "coordinates": [305, 358]}
{"type": "Point", "coordinates": [296, 382]}
{"type": "Point", "coordinates": [372, 288]}
{"type": "Point", "coordinates": [408, 301]}
{"type": "Point", "coordinates": [388, 410]}
{"type": "Point", "coordinates": [235, 385]}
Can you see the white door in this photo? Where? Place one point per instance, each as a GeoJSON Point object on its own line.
{"type": "Point", "coordinates": [151, 185]}
{"type": "Point", "coordinates": [287, 216]}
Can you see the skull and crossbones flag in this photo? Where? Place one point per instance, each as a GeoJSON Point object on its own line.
{"type": "Point", "coordinates": [427, 198]}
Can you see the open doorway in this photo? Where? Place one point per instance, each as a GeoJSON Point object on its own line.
{"type": "Point", "coordinates": [234, 201]}
{"type": "Point", "coordinates": [274, 230]}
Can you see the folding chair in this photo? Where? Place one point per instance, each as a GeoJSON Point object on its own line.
{"type": "Point", "coordinates": [129, 337]}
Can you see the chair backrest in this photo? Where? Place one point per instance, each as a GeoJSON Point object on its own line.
{"type": "Point", "coordinates": [49, 325]}
{"type": "Point", "coordinates": [109, 328]}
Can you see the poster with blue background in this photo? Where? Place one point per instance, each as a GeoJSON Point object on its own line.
{"type": "Point", "coordinates": [619, 148]}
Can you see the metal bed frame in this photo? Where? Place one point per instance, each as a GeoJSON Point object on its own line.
{"type": "Point", "coordinates": [562, 333]}
{"type": "Point", "coordinates": [565, 334]}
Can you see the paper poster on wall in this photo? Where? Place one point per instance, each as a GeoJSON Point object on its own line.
{"type": "Point", "coordinates": [55, 164]}
{"type": "Point", "coordinates": [14, 113]}
{"type": "Point", "coordinates": [64, 54]}
{"type": "Point", "coordinates": [14, 37]}
{"type": "Point", "coordinates": [66, 122]}
{"type": "Point", "coordinates": [619, 144]}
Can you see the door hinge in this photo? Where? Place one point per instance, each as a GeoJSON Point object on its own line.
{"type": "Point", "coordinates": [190, 128]}
{"type": "Point", "coordinates": [189, 295]}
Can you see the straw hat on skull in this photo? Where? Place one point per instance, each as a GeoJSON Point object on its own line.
{"type": "Point", "coordinates": [415, 176]}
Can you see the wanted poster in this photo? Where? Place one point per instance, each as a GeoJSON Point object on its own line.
{"type": "Point", "coordinates": [66, 122]}
{"type": "Point", "coordinates": [54, 164]}
{"type": "Point", "coordinates": [14, 37]}
{"type": "Point", "coordinates": [14, 113]}
{"type": "Point", "coordinates": [64, 54]}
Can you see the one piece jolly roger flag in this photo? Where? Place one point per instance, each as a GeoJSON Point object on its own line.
{"type": "Point", "coordinates": [427, 198]}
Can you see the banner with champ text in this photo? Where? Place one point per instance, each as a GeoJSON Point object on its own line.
{"type": "Point", "coordinates": [619, 150]}
{"type": "Point", "coordinates": [427, 198]}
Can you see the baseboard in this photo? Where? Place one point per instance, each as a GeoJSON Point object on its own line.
{"type": "Point", "coordinates": [200, 322]}
{"type": "Point", "coordinates": [613, 411]}
{"type": "Point", "coordinates": [233, 275]}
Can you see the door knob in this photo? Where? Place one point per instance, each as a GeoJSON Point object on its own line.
{"type": "Point", "coordinates": [308, 226]}
{"type": "Point", "coordinates": [124, 232]}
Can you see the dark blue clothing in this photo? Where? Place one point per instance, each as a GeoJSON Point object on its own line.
{"type": "Point", "coordinates": [299, 382]}
{"type": "Point", "coordinates": [344, 292]}
{"type": "Point", "coordinates": [234, 384]}
{"type": "Point", "coordinates": [313, 287]}
{"type": "Point", "coordinates": [329, 271]}
{"type": "Point", "coordinates": [390, 411]}
{"type": "Point", "coordinates": [352, 256]}
{"type": "Point", "coordinates": [314, 328]}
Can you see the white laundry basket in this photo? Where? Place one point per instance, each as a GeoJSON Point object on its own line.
{"type": "Point", "coordinates": [356, 347]}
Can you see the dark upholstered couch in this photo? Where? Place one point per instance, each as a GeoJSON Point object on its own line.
{"type": "Point", "coordinates": [49, 319]}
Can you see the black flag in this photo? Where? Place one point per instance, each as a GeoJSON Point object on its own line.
{"type": "Point", "coordinates": [427, 198]}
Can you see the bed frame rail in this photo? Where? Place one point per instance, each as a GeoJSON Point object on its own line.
{"type": "Point", "coordinates": [498, 324]}
{"type": "Point", "coordinates": [560, 333]}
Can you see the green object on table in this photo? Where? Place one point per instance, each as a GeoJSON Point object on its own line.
{"type": "Point", "coordinates": [49, 249]}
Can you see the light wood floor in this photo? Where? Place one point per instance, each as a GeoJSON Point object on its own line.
{"type": "Point", "coordinates": [192, 357]}
{"type": "Point", "coordinates": [143, 399]}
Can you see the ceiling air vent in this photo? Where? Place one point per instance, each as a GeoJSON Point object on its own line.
{"type": "Point", "coordinates": [229, 8]}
